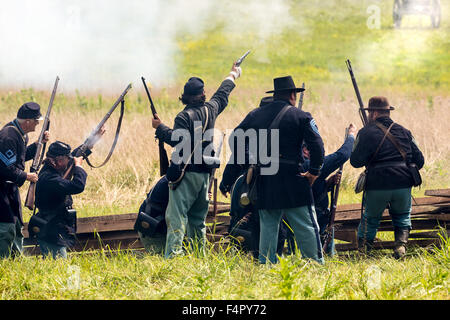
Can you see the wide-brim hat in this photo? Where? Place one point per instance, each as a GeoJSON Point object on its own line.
{"type": "Point", "coordinates": [284, 84]}
{"type": "Point", "coordinates": [379, 103]}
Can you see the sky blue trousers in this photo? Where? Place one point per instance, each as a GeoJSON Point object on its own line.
{"type": "Point", "coordinates": [11, 239]}
{"type": "Point", "coordinates": [376, 201]}
{"type": "Point", "coordinates": [303, 222]}
{"type": "Point", "coordinates": [186, 213]}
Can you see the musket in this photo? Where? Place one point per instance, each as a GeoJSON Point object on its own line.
{"type": "Point", "coordinates": [241, 59]}
{"type": "Point", "coordinates": [86, 148]}
{"type": "Point", "coordinates": [40, 149]}
{"type": "Point", "coordinates": [362, 112]}
{"type": "Point", "coordinates": [333, 207]}
{"type": "Point", "coordinates": [300, 100]}
{"type": "Point", "coordinates": [163, 159]}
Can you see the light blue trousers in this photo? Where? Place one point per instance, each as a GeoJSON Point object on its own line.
{"type": "Point", "coordinates": [154, 244]}
{"type": "Point", "coordinates": [55, 250]}
{"type": "Point", "coordinates": [186, 213]}
{"type": "Point", "coordinates": [303, 222]}
{"type": "Point", "coordinates": [11, 239]}
{"type": "Point", "coordinates": [376, 201]}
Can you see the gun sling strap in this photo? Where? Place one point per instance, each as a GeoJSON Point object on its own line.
{"type": "Point", "coordinates": [116, 138]}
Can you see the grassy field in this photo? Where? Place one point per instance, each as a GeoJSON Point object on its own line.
{"type": "Point", "coordinates": [226, 274]}
{"type": "Point", "coordinates": [410, 66]}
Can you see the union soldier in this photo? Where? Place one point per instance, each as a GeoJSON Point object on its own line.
{"type": "Point", "coordinates": [287, 191]}
{"type": "Point", "coordinates": [54, 200]}
{"type": "Point", "coordinates": [244, 223]}
{"type": "Point", "coordinates": [13, 154]}
{"type": "Point", "coordinates": [188, 201]}
{"type": "Point", "coordinates": [389, 179]}
{"type": "Point", "coordinates": [155, 206]}
{"type": "Point", "coordinates": [323, 183]}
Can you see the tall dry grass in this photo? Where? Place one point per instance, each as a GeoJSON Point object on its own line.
{"type": "Point", "coordinates": [122, 184]}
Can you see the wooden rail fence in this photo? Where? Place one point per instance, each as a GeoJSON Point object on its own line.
{"type": "Point", "coordinates": [116, 231]}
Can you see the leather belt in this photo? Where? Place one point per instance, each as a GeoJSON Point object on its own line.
{"type": "Point", "coordinates": [389, 164]}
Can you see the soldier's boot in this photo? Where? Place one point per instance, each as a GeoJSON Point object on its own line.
{"type": "Point", "coordinates": [364, 246]}
{"type": "Point", "coordinates": [401, 239]}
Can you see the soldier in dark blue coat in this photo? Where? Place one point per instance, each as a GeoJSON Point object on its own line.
{"type": "Point", "coordinates": [244, 223]}
{"type": "Point", "coordinates": [155, 206]}
{"type": "Point", "coordinates": [13, 154]}
{"type": "Point", "coordinates": [188, 201]}
{"type": "Point", "coordinates": [54, 199]}
{"type": "Point", "coordinates": [283, 187]}
{"type": "Point", "coordinates": [389, 179]}
{"type": "Point", "coordinates": [324, 182]}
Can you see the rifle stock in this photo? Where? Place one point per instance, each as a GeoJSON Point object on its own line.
{"type": "Point", "coordinates": [40, 149]}
{"type": "Point", "coordinates": [362, 112]}
{"type": "Point", "coordinates": [163, 158]}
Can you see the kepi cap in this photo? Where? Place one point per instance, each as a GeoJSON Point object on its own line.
{"type": "Point", "coordinates": [30, 110]}
{"type": "Point", "coordinates": [57, 149]}
{"type": "Point", "coordinates": [194, 86]}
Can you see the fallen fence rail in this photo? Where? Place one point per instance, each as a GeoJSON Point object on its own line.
{"type": "Point", "coordinates": [429, 215]}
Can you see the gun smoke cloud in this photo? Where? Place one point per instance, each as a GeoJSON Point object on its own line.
{"type": "Point", "coordinates": [103, 45]}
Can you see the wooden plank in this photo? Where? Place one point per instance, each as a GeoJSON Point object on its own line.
{"type": "Point", "coordinates": [427, 234]}
{"type": "Point", "coordinates": [424, 201]}
{"type": "Point", "coordinates": [355, 215]}
{"type": "Point", "coordinates": [438, 193]}
{"type": "Point", "coordinates": [349, 235]}
{"type": "Point", "coordinates": [388, 244]}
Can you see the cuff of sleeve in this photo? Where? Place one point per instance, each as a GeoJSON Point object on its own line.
{"type": "Point", "coordinates": [230, 77]}
{"type": "Point", "coordinates": [21, 178]}
{"type": "Point", "coordinates": [160, 130]}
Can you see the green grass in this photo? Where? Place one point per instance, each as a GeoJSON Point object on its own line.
{"type": "Point", "coordinates": [226, 274]}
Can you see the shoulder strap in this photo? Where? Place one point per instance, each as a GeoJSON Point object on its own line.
{"type": "Point", "coordinates": [392, 139]}
{"type": "Point", "coordinates": [276, 122]}
{"type": "Point", "coordinates": [189, 111]}
{"type": "Point", "coordinates": [18, 131]}
{"type": "Point", "coordinates": [386, 132]}
{"type": "Point", "coordinates": [198, 142]}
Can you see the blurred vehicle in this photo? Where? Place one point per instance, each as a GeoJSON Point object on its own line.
{"type": "Point", "coordinates": [431, 8]}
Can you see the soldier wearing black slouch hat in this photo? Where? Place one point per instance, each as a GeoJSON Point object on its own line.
{"type": "Point", "coordinates": [54, 201]}
{"type": "Point", "coordinates": [387, 150]}
{"type": "Point", "coordinates": [284, 188]}
{"type": "Point", "coordinates": [14, 151]}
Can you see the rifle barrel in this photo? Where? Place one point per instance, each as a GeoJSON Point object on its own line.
{"type": "Point", "coordinates": [40, 149]}
{"type": "Point", "coordinates": [362, 112]}
{"type": "Point", "coordinates": [300, 100]}
{"type": "Point", "coordinates": [92, 139]}
{"type": "Point", "coordinates": [152, 106]}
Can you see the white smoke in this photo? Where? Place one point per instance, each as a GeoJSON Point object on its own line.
{"type": "Point", "coordinates": [106, 44]}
